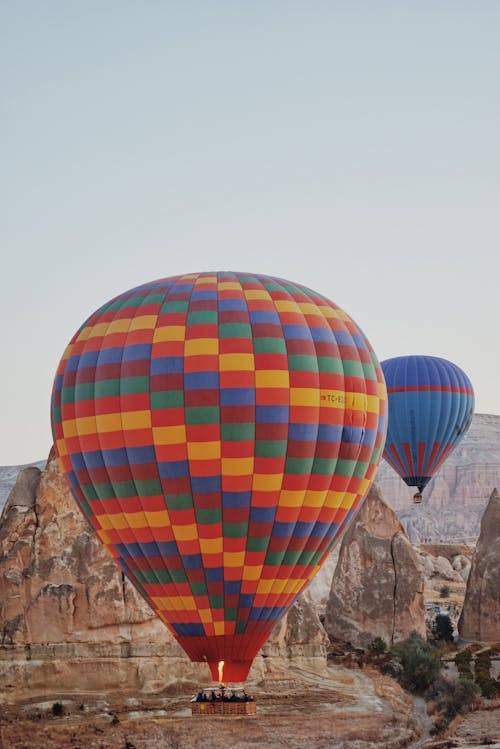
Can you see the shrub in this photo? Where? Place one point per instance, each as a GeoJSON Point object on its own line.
{"type": "Point", "coordinates": [444, 591]}
{"type": "Point", "coordinates": [450, 698]}
{"type": "Point", "coordinates": [459, 697]}
{"type": "Point", "coordinates": [377, 647]}
{"type": "Point", "coordinates": [489, 687]}
{"type": "Point", "coordinates": [419, 661]}
{"type": "Point", "coordinates": [462, 662]}
{"type": "Point", "coordinates": [57, 708]}
{"type": "Point", "coordinates": [443, 628]}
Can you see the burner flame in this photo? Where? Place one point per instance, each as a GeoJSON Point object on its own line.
{"type": "Point", "coordinates": [220, 667]}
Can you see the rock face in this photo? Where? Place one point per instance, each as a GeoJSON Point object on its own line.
{"type": "Point", "coordinates": [454, 500]}
{"type": "Point", "coordinates": [9, 476]}
{"type": "Point", "coordinates": [318, 591]}
{"type": "Point", "coordinates": [23, 492]}
{"type": "Point", "coordinates": [70, 621]}
{"type": "Point", "coordinates": [298, 640]}
{"type": "Point", "coordinates": [456, 497]}
{"type": "Point", "coordinates": [462, 565]}
{"type": "Point", "coordinates": [480, 618]}
{"type": "Point", "coordinates": [438, 571]}
{"type": "Point", "coordinates": [377, 588]}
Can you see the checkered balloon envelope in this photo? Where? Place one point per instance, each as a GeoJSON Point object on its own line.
{"type": "Point", "coordinates": [219, 431]}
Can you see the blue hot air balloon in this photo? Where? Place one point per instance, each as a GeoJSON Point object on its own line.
{"type": "Point", "coordinates": [431, 404]}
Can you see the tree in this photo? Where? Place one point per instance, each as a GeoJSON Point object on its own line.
{"type": "Point", "coordinates": [443, 628]}
{"type": "Point", "coordinates": [377, 647]}
{"type": "Point", "coordinates": [451, 698]}
{"type": "Point", "coordinates": [419, 661]}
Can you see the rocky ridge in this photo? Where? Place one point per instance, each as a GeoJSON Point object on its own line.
{"type": "Point", "coordinates": [72, 629]}
{"type": "Point", "coordinates": [377, 588]}
{"type": "Point", "coordinates": [68, 616]}
{"type": "Point", "coordinates": [456, 497]}
{"type": "Point", "coordinates": [480, 617]}
{"type": "Point", "coordinates": [454, 500]}
{"type": "Point", "coordinates": [76, 635]}
{"type": "Point", "coordinates": [8, 477]}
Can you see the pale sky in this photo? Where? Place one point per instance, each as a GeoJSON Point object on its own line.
{"type": "Point", "coordinates": [350, 146]}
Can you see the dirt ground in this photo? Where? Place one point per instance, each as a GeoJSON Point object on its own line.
{"type": "Point", "coordinates": [353, 710]}
{"type": "Point", "coordinates": [291, 731]}
{"type": "Point", "coordinates": [480, 727]}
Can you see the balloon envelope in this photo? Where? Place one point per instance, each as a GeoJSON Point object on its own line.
{"type": "Point", "coordinates": [218, 431]}
{"type": "Point", "coordinates": [431, 404]}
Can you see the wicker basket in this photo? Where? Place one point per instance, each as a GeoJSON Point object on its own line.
{"type": "Point", "coordinates": [223, 708]}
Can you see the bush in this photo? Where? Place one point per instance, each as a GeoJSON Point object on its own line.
{"type": "Point", "coordinates": [443, 628]}
{"type": "Point", "coordinates": [459, 697]}
{"type": "Point", "coordinates": [450, 698]}
{"type": "Point", "coordinates": [489, 687]}
{"type": "Point", "coordinates": [377, 647]}
{"type": "Point", "coordinates": [462, 662]}
{"type": "Point", "coordinates": [57, 708]}
{"type": "Point", "coordinates": [444, 591]}
{"type": "Point", "coordinates": [419, 661]}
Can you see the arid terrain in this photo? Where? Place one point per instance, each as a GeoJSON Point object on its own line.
{"type": "Point", "coordinates": [347, 708]}
{"type": "Point", "coordinates": [84, 663]}
{"type": "Point", "coordinates": [291, 713]}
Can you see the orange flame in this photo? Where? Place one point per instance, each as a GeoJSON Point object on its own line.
{"type": "Point", "coordinates": [220, 667]}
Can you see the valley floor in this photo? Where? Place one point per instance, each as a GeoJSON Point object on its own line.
{"type": "Point", "coordinates": [352, 710]}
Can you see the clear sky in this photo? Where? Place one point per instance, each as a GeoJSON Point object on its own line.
{"type": "Point", "coordinates": [350, 146]}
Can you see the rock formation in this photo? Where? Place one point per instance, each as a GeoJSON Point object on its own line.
{"type": "Point", "coordinates": [456, 497]}
{"type": "Point", "coordinates": [23, 492]}
{"type": "Point", "coordinates": [377, 588]}
{"type": "Point", "coordinates": [454, 500]}
{"type": "Point", "coordinates": [298, 640]}
{"type": "Point", "coordinates": [9, 476]}
{"type": "Point", "coordinates": [438, 571]}
{"type": "Point", "coordinates": [70, 621]}
{"type": "Point", "coordinates": [318, 591]}
{"type": "Point", "coordinates": [480, 618]}
{"type": "Point", "coordinates": [462, 565]}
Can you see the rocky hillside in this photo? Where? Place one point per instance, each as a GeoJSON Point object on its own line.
{"type": "Point", "coordinates": [74, 635]}
{"type": "Point", "coordinates": [68, 616]}
{"type": "Point", "coordinates": [480, 618]}
{"type": "Point", "coordinates": [456, 498]}
{"type": "Point", "coordinates": [377, 588]}
{"type": "Point", "coordinates": [8, 476]}
{"type": "Point", "coordinates": [453, 503]}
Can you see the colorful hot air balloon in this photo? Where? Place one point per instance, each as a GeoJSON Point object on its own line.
{"type": "Point", "coordinates": [218, 431]}
{"type": "Point", "coordinates": [431, 403]}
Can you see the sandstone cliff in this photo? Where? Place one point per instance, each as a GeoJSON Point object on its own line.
{"type": "Point", "coordinates": [453, 503]}
{"type": "Point", "coordinates": [377, 588]}
{"type": "Point", "coordinates": [456, 497]}
{"type": "Point", "coordinates": [480, 618]}
{"type": "Point", "coordinates": [69, 620]}
{"type": "Point", "coordinates": [8, 478]}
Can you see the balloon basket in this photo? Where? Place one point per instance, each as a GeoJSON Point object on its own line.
{"type": "Point", "coordinates": [222, 702]}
